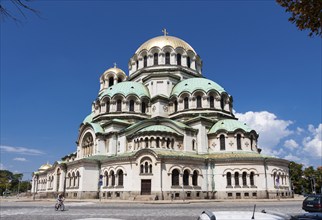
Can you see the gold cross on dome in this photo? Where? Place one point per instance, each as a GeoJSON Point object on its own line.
{"type": "Point", "coordinates": [114, 65]}
{"type": "Point", "coordinates": [165, 32]}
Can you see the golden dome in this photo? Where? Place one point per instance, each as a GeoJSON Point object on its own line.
{"type": "Point", "coordinates": [44, 167]}
{"type": "Point", "coordinates": [115, 70]}
{"type": "Point", "coordinates": [163, 41]}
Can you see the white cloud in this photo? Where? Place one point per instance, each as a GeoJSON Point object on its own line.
{"type": "Point", "coordinates": [291, 144]}
{"type": "Point", "coordinates": [299, 130]}
{"type": "Point", "coordinates": [20, 150]}
{"type": "Point", "coordinates": [292, 157]}
{"type": "Point", "coordinates": [270, 129]}
{"type": "Point", "coordinates": [313, 143]}
{"type": "Point", "coordinates": [20, 159]}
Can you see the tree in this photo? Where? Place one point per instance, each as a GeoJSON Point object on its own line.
{"type": "Point", "coordinates": [306, 14]}
{"type": "Point", "coordinates": [21, 6]}
{"type": "Point", "coordinates": [296, 174]}
{"type": "Point", "coordinates": [12, 182]}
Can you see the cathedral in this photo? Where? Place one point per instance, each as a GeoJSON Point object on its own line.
{"type": "Point", "coordinates": [163, 132]}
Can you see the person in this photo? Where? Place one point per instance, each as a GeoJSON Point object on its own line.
{"type": "Point", "coordinates": [60, 202]}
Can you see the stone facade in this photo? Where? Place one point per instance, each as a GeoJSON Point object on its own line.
{"type": "Point", "coordinates": [163, 132]}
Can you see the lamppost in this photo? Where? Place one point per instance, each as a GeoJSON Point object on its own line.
{"type": "Point", "coordinates": [181, 174]}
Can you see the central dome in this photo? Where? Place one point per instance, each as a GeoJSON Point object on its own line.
{"type": "Point", "coordinates": [163, 41]}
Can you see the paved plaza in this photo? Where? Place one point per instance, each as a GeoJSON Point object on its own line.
{"type": "Point", "coordinates": [26, 209]}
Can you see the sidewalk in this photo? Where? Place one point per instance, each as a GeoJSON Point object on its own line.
{"type": "Point", "coordinates": [30, 199]}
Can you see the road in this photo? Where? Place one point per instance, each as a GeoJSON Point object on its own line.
{"type": "Point", "coordinates": [44, 210]}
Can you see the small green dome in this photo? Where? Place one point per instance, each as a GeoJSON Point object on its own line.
{"type": "Point", "coordinates": [229, 125]}
{"type": "Point", "coordinates": [88, 118]}
{"type": "Point", "coordinates": [159, 129]}
{"type": "Point", "coordinates": [193, 84]}
{"type": "Point", "coordinates": [125, 89]}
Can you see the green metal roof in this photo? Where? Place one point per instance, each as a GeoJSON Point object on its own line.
{"type": "Point", "coordinates": [88, 118]}
{"type": "Point", "coordinates": [229, 125]}
{"type": "Point", "coordinates": [97, 128]}
{"type": "Point", "coordinates": [193, 84]}
{"type": "Point", "coordinates": [158, 128]}
{"type": "Point", "coordinates": [125, 89]}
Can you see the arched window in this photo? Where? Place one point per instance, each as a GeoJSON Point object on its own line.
{"type": "Point", "coordinates": [74, 180]}
{"type": "Point", "coordinates": [244, 179]}
{"type": "Point", "coordinates": [142, 168]}
{"type": "Point", "coordinates": [70, 180]}
{"type": "Point", "coordinates": [228, 179]}
{"type": "Point", "coordinates": [195, 178]}
{"type": "Point", "coordinates": [186, 178]}
{"type": "Point", "coordinates": [113, 178]}
{"type": "Point", "coordinates": [150, 168]}
{"type": "Point", "coordinates": [146, 167]}
{"type": "Point", "coordinates": [145, 61]}
{"type": "Point", "coordinates": [222, 103]}
{"type": "Point", "coordinates": [131, 107]}
{"type": "Point", "coordinates": [251, 178]}
{"type": "Point", "coordinates": [146, 142]}
{"type": "Point", "coordinates": [155, 59]}
{"type": "Point", "coordinates": [179, 59]}
{"type": "Point", "coordinates": [87, 144]}
{"type": "Point", "coordinates": [137, 64]}
{"type": "Point", "coordinates": [199, 105]}
{"type": "Point", "coordinates": [167, 58]}
{"type": "Point", "coordinates": [120, 177]}
{"type": "Point", "coordinates": [236, 179]}
{"type": "Point", "coordinates": [175, 106]}
{"type": "Point", "coordinates": [222, 142]}
{"type": "Point", "coordinates": [107, 106]}
{"type": "Point", "coordinates": [168, 143]}
{"type": "Point", "coordinates": [111, 81]}
{"type": "Point", "coordinates": [143, 107]}
{"type": "Point", "coordinates": [239, 142]}
{"type": "Point", "coordinates": [212, 102]}
{"type": "Point", "coordinates": [186, 103]}
{"type": "Point", "coordinates": [175, 177]}
{"type": "Point", "coordinates": [78, 178]}
{"type": "Point", "coordinates": [193, 144]}
{"type": "Point", "coordinates": [119, 105]}
{"type": "Point", "coordinates": [188, 62]}
{"type": "Point", "coordinates": [119, 79]}
{"type": "Point", "coordinates": [106, 178]}
{"type": "Point", "coordinates": [158, 142]}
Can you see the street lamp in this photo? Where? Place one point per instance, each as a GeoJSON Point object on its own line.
{"type": "Point", "coordinates": [181, 174]}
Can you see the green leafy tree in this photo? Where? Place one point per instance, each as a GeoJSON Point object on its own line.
{"type": "Point", "coordinates": [13, 182]}
{"type": "Point", "coordinates": [306, 14]}
{"type": "Point", "coordinates": [296, 173]}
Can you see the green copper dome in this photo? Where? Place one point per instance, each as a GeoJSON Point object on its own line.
{"type": "Point", "coordinates": [88, 118]}
{"type": "Point", "coordinates": [125, 89]}
{"type": "Point", "coordinates": [158, 128]}
{"type": "Point", "coordinates": [229, 125]}
{"type": "Point", "coordinates": [193, 84]}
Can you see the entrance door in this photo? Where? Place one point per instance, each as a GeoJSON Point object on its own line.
{"type": "Point", "coordinates": [145, 187]}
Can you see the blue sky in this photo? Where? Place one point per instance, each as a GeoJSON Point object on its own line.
{"type": "Point", "coordinates": [50, 69]}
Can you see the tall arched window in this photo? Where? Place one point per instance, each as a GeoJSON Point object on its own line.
{"type": "Point", "coordinates": [239, 142]}
{"type": "Point", "coordinates": [131, 107]}
{"type": "Point", "coordinates": [120, 177]}
{"type": "Point", "coordinates": [199, 105]}
{"type": "Point", "coordinates": [142, 168]}
{"type": "Point", "coordinates": [113, 178]}
{"type": "Point", "coordinates": [228, 179]}
{"type": "Point", "coordinates": [119, 79]}
{"type": "Point", "coordinates": [155, 59]}
{"type": "Point", "coordinates": [168, 143]}
{"type": "Point", "coordinates": [137, 64]}
{"type": "Point", "coordinates": [244, 179]}
{"type": "Point", "coordinates": [212, 102]}
{"type": "Point", "coordinates": [106, 178]}
{"type": "Point", "coordinates": [146, 167]}
{"type": "Point", "coordinates": [119, 105]}
{"type": "Point", "coordinates": [222, 142]}
{"type": "Point", "coordinates": [158, 142]}
{"type": "Point", "coordinates": [146, 142]}
{"type": "Point", "coordinates": [150, 168]}
{"type": "Point", "coordinates": [195, 178]}
{"type": "Point", "coordinates": [167, 58]}
{"type": "Point", "coordinates": [175, 106]}
{"type": "Point", "coordinates": [175, 177]}
{"type": "Point", "coordinates": [188, 62]}
{"type": "Point", "coordinates": [78, 178]}
{"type": "Point", "coordinates": [186, 103]}
{"type": "Point", "coordinates": [74, 180]}
{"type": "Point", "coordinates": [179, 59]}
{"type": "Point", "coordinates": [222, 103]}
{"type": "Point", "coordinates": [251, 178]}
{"type": "Point", "coordinates": [107, 106]}
{"type": "Point", "coordinates": [236, 179]}
{"type": "Point", "coordinates": [193, 144]}
{"type": "Point", "coordinates": [143, 107]}
{"type": "Point", "coordinates": [186, 178]}
{"type": "Point", "coordinates": [145, 61]}
{"type": "Point", "coordinates": [110, 81]}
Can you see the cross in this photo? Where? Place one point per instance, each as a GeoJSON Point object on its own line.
{"type": "Point", "coordinates": [114, 65]}
{"type": "Point", "coordinates": [165, 32]}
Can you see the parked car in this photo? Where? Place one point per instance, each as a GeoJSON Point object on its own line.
{"type": "Point", "coordinates": [308, 216]}
{"type": "Point", "coordinates": [241, 215]}
{"type": "Point", "coordinates": [312, 203]}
